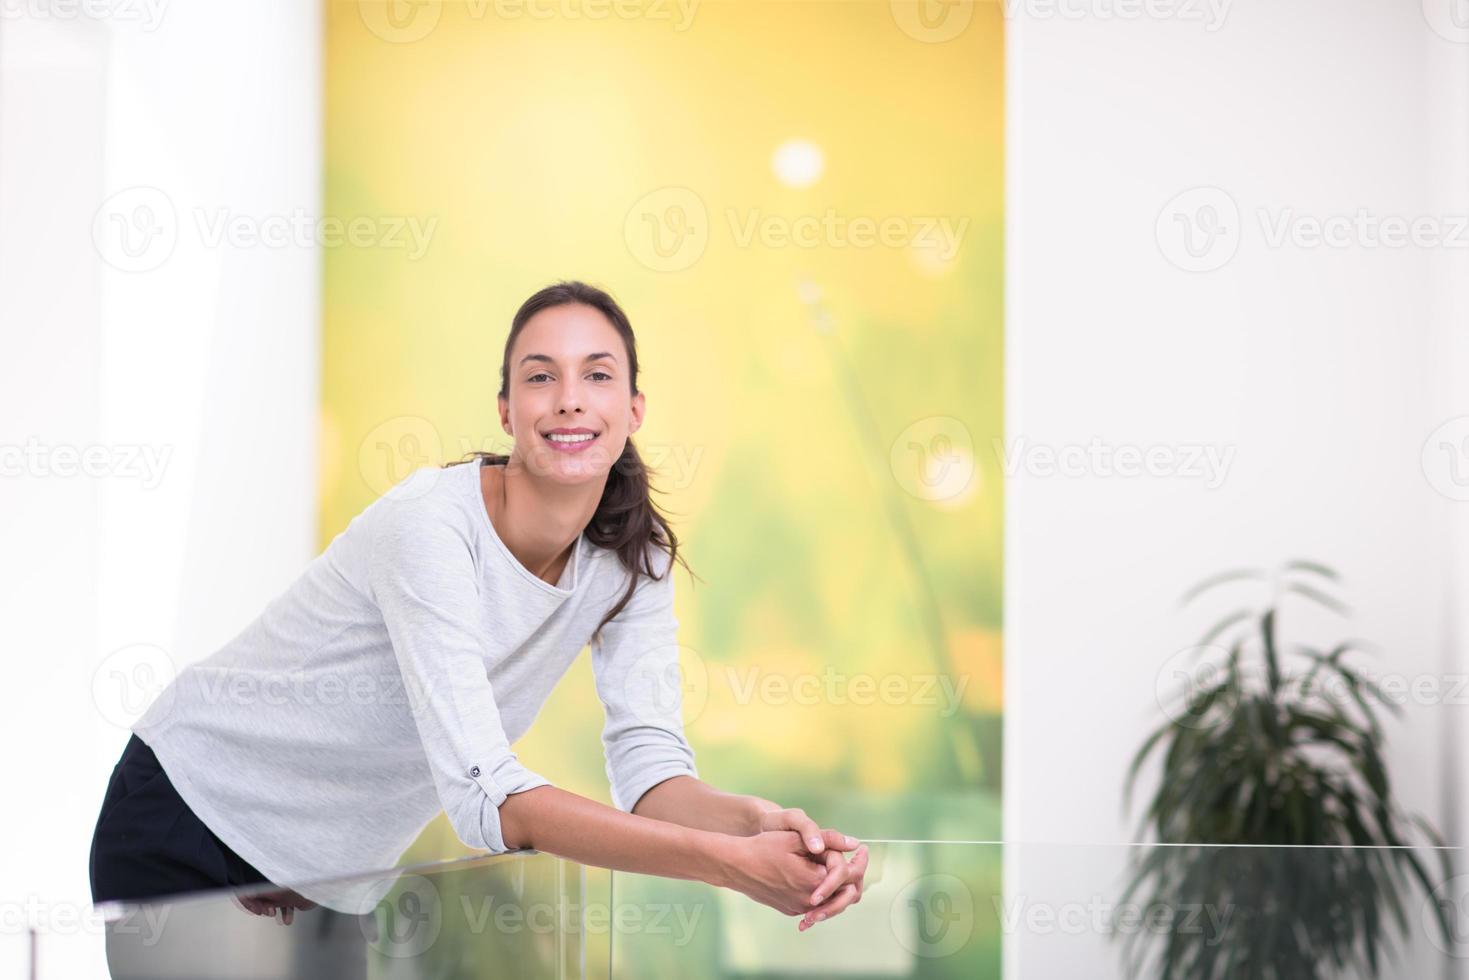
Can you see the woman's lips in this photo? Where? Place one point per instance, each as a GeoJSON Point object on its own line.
{"type": "Point", "coordinates": [571, 447]}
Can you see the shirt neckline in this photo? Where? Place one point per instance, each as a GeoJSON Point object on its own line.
{"type": "Point", "coordinates": [571, 572]}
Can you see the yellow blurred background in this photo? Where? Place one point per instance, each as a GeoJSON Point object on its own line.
{"type": "Point", "coordinates": [800, 207]}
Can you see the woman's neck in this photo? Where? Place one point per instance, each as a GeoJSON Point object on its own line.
{"type": "Point", "coordinates": [539, 523]}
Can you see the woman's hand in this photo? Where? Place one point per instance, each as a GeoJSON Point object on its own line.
{"type": "Point", "coordinates": [842, 885]}
{"type": "Point", "coordinates": [774, 869]}
{"type": "Point", "coordinates": [266, 903]}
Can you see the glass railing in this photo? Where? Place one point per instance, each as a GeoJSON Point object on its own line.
{"type": "Point", "coordinates": [1038, 911]}
{"type": "Point", "coordinates": [522, 914]}
{"type": "Point", "coordinates": [930, 909]}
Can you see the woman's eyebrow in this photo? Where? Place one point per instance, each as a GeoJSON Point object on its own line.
{"type": "Point", "coordinates": [586, 360]}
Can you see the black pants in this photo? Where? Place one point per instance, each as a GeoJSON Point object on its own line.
{"type": "Point", "coordinates": [148, 843]}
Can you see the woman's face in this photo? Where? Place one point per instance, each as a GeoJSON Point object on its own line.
{"type": "Point", "coordinates": [569, 379]}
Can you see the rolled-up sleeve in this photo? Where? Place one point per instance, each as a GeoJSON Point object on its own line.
{"type": "Point", "coordinates": [639, 681]}
{"type": "Point", "coordinates": [425, 584]}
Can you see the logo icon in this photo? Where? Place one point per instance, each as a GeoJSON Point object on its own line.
{"type": "Point", "coordinates": [1194, 688]}
{"type": "Point", "coordinates": [1446, 458]}
{"type": "Point", "coordinates": [408, 921]}
{"type": "Point", "coordinates": [933, 915]}
{"type": "Point", "coordinates": [1199, 230]}
{"type": "Point", "coordinates": [396, 450]}
{"type": "Point", "coordinates": [932, 21]}
{"type": "Point", "coordinates": [667, 686]}
{"type": "Point", "coordinates": [933, 459]}
{"type": "Point", "coordinates": [1452, 897]}
{"type": "Point", "coordinates": [667, 230]}
{"type": "Point", "coordinates": [1449, 19]}
{"type": "Point", "coordinates": [132, 681]}
{"type": "Point", "coordinates": [136, 230]}
{"type": "Point", "coordinates": [401, 21]}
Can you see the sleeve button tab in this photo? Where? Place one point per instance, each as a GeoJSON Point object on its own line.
{"type": "Point", "coordinates": [474, 771]}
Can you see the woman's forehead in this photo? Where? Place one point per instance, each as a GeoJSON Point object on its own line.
{"type": "Point", "coordinates": [569, 331]}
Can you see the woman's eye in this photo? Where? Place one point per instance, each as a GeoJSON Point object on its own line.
{"type": "Point", "coordinates": [601, 374]}
{"type": "Point", "coordinates": [535, 376]}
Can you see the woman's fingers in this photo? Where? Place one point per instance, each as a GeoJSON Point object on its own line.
{"type": "Point", "coordinates": [816, 840]}
{"type": "Point", "coordinates": [287, 913]}
{"type": "Point", "coordinates": [794, 818]}
{"type": "Point", "coordinates": [836, 875]}
{"type": "Point", "coordinates": [846, 895]}
{"type": "Point", "coordinates": [285, 901]}
{"type": "Point", "coordinates": [836, 840]}
{"type": "Point", "coordinates": [253, 906]}
{"type": "Point", "coordinates": [286, 896]}
{"type": "Point", "coordinates": [839, 870]}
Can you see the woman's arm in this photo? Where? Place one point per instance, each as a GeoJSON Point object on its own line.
{"type": "Point", "coordinates": [692, 802]}
{"type": "Point", "coordinates": [771, 868]}
{"type": "Point", "coordinates": [559, 822]}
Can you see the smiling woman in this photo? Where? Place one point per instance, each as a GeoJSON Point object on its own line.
{"type": "Point", "coordinates": [477, 586]}
{"type": "Point", "coordinates": [571, 361]}
{"type": "Point", "coordinates": [569, 398]}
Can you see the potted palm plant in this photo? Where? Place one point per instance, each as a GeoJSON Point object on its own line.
{"type": "Point", "coordinates": [1278, 751]}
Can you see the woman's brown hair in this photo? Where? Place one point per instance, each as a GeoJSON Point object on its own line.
{"type": "Point", "coordinates": [626, 520]}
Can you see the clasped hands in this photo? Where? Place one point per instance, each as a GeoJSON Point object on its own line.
{"type": "Point", "coordinates": [840, 880]}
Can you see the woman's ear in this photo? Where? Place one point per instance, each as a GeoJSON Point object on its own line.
{"type": "Point", "coordinates": [639, 405]}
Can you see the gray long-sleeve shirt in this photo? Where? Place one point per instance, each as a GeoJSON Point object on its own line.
{"type": "Point", "coordinates": [389, 681]}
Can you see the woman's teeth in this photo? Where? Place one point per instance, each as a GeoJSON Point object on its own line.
{"type": "Point", "coordinates": [584, 437]}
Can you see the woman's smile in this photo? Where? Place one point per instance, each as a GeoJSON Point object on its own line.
{"type": "Point", "coordinates": [571, 440]}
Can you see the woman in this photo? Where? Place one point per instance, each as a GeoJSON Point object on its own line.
{"type": "Point", "coordinates": [390, 679]}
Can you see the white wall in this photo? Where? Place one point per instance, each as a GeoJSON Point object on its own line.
{"type": "Point", "coordinates": [1324, 370]}
{"type": "Point", "coordinates": [189, 367]}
